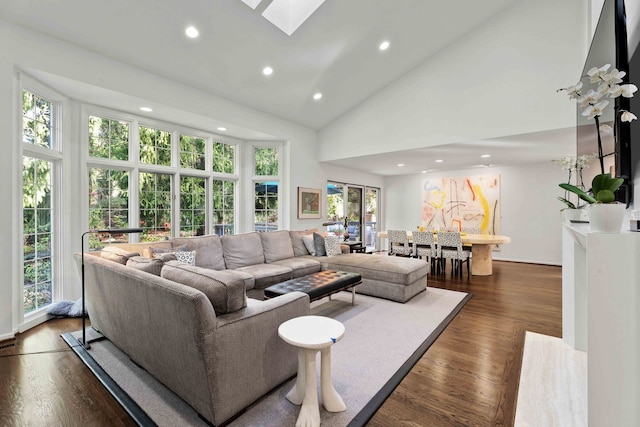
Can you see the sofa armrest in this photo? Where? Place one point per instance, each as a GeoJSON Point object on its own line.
{"type": "Point", "coordinates": [250, 357]}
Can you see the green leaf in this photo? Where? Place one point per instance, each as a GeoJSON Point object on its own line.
{"type": "Point", "coordinates": [605, 196]}
{"type": "Point", "coordinates": [581, 193]}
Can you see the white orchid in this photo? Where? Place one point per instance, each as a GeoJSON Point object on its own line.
{"type": "Point", "coordinates": [627, 116]}
{"type": "Point", "coordinates": [595, 109]}
{"type": "Point", "coordinates": [595, 74]}
{"type": "Point", "coordinates": [574, 91]}
{"type": "Point", "coordinates": [590, 98]}
{"type": "Point", "coordinates": [628, 90]}
{"type": "Point", "coordinates": [614, 77]}
{"type": "Point", "coordinates": [606, 129]}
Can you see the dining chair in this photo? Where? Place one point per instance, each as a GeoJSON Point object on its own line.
{"type": "Point", "coordinates": [399, 243]}
{"type": "Point", "coordinates": [425, 246]}
{"type": "Point", "coordinates": [470, 230]}
{"type": "Point", "coordinates": [450, 247]}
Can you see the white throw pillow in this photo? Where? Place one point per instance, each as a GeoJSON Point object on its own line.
{"type": "Point", "coordinates": [186, 257]}
{"type": "Point", "coordinates": [332, 245]}
{"type": "Point", "coordinates": [309, 244]}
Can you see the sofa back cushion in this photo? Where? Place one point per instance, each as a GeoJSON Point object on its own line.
{"type": "Point", "coordinates": [117, 254]}
{"type": "Point", "coordinates": [299, 248]}
{"type": "Point", "coordinates": [242, 250]}
{"type": "Point", "coordinates": [208, 250]}
{"type": "Point", "coordinates": [153, 266]}
{"type": "Point", "coordinates": [276, 246]}
{"type": "Point", "coordinates": [224, 289]}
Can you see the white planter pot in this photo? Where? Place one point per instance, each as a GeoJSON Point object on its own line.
{"type": "Point", "coordinates": [572, 214]}
{"type": "Point", "coordinates": [606, 218]}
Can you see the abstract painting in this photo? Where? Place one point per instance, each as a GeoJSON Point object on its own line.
{"type": "Point", "coordinates": [469, 202]}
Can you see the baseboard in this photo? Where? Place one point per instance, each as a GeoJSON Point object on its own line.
{"type": "Point", "coordinates": [6, 337]}
{"type": "Point", "coordinates": [524, 261]}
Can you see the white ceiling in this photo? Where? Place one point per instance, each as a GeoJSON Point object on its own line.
{"type": "Point", "coordinates": [335, 51]}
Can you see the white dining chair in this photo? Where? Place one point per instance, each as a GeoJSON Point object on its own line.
{"type": "Point", "coordinates": [399, 243]}
{"type": "Point", "coordinates": [425, 246]}
{"type": "Point", "coordinates": [450, 247]}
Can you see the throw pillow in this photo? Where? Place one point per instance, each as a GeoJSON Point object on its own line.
{"type": "Point", "coordinates": [153, 266]}
{"type": "Point", "coordinates": [332, 245]}
{"type": "Point", "coordinates": [308, 243]}
{"type": "Point", "coordinates": [156, 251]}
{"type": "Point", "coordinates": [186, 257]}
{"type": "Point", "coordinates": [318, 243]}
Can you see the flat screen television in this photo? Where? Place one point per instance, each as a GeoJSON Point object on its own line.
{"type": "Point", "coordinates": [609, 46]}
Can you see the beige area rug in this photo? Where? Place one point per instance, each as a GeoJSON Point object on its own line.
{"type": "Point", "coordinates": [383, 341]}
{"type": "Point", "coordinates": [553, 384]}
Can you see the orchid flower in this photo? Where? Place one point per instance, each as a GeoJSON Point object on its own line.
{"type": "Point", "coordinates": [574, 91]}
{"type": "Point", "coordinates": [590, 98]}
{"type": "Point", "coordinates": [606, 129]}
{"type": "Point", "coordinates": [595, 109]}
{"type": "Point", "coordinates": [595, 74]}
{"type": "Point", "coordinates": [627, 116]}
{"type": "Point", "coordinates": [614, 77]}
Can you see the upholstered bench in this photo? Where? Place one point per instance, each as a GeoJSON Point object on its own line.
{"type": "Point", "coordinates": [317, 285]}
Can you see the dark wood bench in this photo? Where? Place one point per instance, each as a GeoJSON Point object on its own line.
{"type": "Point", "coordinates": [317, 285]}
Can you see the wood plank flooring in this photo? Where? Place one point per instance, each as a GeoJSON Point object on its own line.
{"type": "Point", "coordinates": [469, 377]}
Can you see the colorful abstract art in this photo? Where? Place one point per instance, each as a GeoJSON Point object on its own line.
{"type": "Point", "coordinates": [465, 203]}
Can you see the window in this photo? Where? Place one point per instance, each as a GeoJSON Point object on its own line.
{"type": "Point", "coordinates": [37, 218]}
{"type": "Point", "coordinates": [155, 206]}
{"type": "Point", "coordinates": [108, 203]}
{"type": "Point", "coordinates": [41, 165]}
{"type": "Point", "coordinates": [155, 146]}
{"type": "Point", "coordinates": [36, 120]}
{"type": "Point", "coordinates": [266, 206]}
{"type": "Point", "coordinates": [266, 161]}
{"type": "Point", "coordinates": [223, 194]}
{"type": "Point", "coordinates": [192, 152]}
{"type": "Point", "coordinates": [224, 157]}
{"type": "Point", "coordinates": [108, 139]}
{"type": "Point", "coordinates": [192, 206]}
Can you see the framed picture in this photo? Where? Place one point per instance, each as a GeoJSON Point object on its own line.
{"type": "Point", "coordinates": [309, 204]}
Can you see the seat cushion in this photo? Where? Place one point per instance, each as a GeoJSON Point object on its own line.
{"type": "Point", "coordinates": [276, 246]}
{"type": "Point", "coordinates": [389, 269]}
{"type": "Point", "coordinates": [300, 266]}
{"type": "Point", "coordinates": [225, 291]}
{"type": "Point", "coordinates": [267, 274]}
{"type": "Point", "coordinates": [242, 250]}
{"type": "Point", "coordinates": [208, 250]}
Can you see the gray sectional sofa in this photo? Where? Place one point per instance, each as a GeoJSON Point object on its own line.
{"type": "Point", "coordinates": [201, 326]}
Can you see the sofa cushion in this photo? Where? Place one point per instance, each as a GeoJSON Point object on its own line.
{"type": "Point", "coordinates": [318, 243]}
{"type": "Point", "coordinates": [276, 246]}
{"type": "Point", "coordinates": [301, 266]}
{"type": "Point", "coordinates": [332, 245]}
{"type": "Point", "coordinates": [391, 269]}
{"type": "Point", "coordinates": [208, 250]}
{"type": "Point", "coordinates": [299, 247]}
{"type": "Point", "coordinates": [119, 255]}
{"type": "Point", "coordinates": [242, 250]}
{"type": "Point", "coordinates": [309, 244]}
{"type": "Point", "coordinates": [267, 274]}
{"type": "Point", "coordinates": [225, 291]}
{"type": "Point", "coordinates": [249, 280]}
{"type": "Point", "coordinates": [153, 266]}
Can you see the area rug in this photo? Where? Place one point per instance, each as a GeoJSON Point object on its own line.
{"type": "Point", "coordinates": [383, 341]}
{"type": "Point", "coordinates": [553, 384]}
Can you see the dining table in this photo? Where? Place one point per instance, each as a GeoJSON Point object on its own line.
{"type": "Point", "coordinates": [481, 249]}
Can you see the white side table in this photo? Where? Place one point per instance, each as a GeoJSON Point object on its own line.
{"type": "Point", "coordinates": [310, 334]}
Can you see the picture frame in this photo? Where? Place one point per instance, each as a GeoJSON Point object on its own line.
{"type": "Point", "coordinates": [309, 203]}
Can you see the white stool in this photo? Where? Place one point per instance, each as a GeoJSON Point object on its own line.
{"type": "Point", "coordinates": [310, 334]}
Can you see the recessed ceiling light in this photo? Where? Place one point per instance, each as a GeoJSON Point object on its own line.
{"type": "Point", "coordinates": [384, 45]}
{"type": "Point", "coordinates": [485, 156]}
{"type": "Point", "coordinates": [439, 161]}
{"type": "Point", "coordinates": [424, 171]}
{"type": "Point", "coordinates": [191, 32]}
{"type": "Point", "coordinates": [146, 109]}
{"type": "Point", "coordinates": [222, 128]}
{"type": "Point", "coordinates": [267, 71]}
{"type": "Point", "coordinates": [400, 164]}
{"type": "Point", "coordinates": [317, 96]}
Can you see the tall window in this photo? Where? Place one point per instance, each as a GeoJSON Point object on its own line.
{"type": "Point", "coordinates": [37, 218]}
{"type": "Point", "coordinates": [155, 206]}
{"type": "Point", "coordinates": [41, 159]}
{"type": "Point", "coordinates": [108, 203]}
{"type": "Point", "coordinates": [223, 194]}
{"type": "Point", "coordinates": [193, 201]}
{"type": "Point", "coordinates": [266, 165]}
{"type": "Point", "coordinates": [224, 156]}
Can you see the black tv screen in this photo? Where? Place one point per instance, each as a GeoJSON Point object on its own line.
{"type": "Point", "coordinates": [609, 46]}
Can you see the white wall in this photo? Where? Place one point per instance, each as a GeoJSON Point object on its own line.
{"type": "Point", "coordinates": [499, 80]}
{"type": "Point", "coordinates": [530, 212]}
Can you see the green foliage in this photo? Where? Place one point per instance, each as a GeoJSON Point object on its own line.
{"type": "Point", "coordinates": [155, 146]}
{"type": "Point", "coordinates": [192, 152]}
{"type": "Point", "coordinates": [603, 188]}
{"type": "Point", "coordinates": [266, 161]}
{"type": "Point", "coordinates": [36, 120]}
{"type": "Point", "coordinates": [224, 157]}
{"type": "Point", "coordinates": [108, 139]}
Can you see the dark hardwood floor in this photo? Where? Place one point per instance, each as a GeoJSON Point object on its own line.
{"type": "Point", "coordinates": [469, 376]}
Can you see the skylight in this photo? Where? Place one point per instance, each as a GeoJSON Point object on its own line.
{"type": "Point", "coordinates": [287, 15]}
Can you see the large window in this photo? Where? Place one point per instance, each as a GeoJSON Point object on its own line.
{"type": "Point", "coordinates": [155, 146]}
{"type": "Point", "coordinates": [41, 162]}
{"type": "Point", "coordinates": [108, 138]}
{"type": "Point", "coordinates": [192, 152]}
{"type": "Point", "coordinates": [224, 156]}
{"type": "Point", "coordinates": [193, 201]}
{"type": "Point", "coordinates": [223, 195]}
{"type": "Point", "coordinates": [108, 204]}
{"type": "Point", "coordinates": [266, 183]}
{"type": "Point", "coordinates": [155, 205]}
